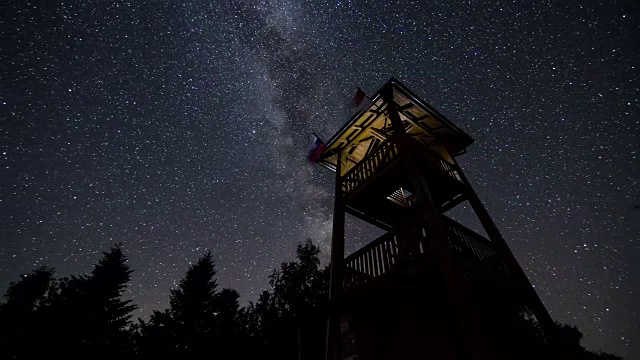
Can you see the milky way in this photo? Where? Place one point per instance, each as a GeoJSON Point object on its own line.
{"type": "Point", "coordinates": [175, 128]}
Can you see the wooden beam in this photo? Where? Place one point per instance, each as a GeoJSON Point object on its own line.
{"type": "Point", "coordinates": [418, 124]}
{"type": "Point", "coordinates": [522, 281]}
{"type": "Point", "coordinates": [337, 266]}
{"type": "Point", "coordinates": [378, 134]}
{"type": "Point", "coordinates": [362, 216]}
{"type": "Point", "coordinates": [354, 135]}
{"type": "Point", "coordinates": [404, 107]}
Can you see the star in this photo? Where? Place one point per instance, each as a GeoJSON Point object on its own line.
{"type": "Point", "coordinates": [179, 127]}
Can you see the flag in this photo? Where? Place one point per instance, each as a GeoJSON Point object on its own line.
{"type": "Point", "coordinates": [358, 97]}
{"type": "Point", "coordinates": [316, 149]}
{"type": "Point", "coordinates": [360, 100]}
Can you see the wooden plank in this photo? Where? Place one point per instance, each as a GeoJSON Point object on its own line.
{"type": "Point", "coordinates": [376, 259]}
{"type": "Point", "coordinates": [381, 269]}
{"type": "Point", "coordinates": [387, 256]}
{"type": "Point", "coordinates": [367, 266]}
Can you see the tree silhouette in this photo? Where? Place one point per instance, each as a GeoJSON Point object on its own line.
{"type": "Point", "coordinates": [193, 306]}
{"type": "Point", "coordinates": [108, 281]}
{"type": "Point", "coordinates": [20, 314]}
{"type": "Point", "coordinates": [188, 327]}
{"type": "Point", "coordinates": [29, 292]}
{"type": "Point", "coordinates": [262, 322]}
{"type": "Point", "coordinates": [292, 317]}
{"type": "Point", "coordinates": [300, 285]}
{"type": "Point", "coordinates": [232, 335]}
{"type": "Point", "coordinates": [567, 345]}
{"type": "Point", "coordinates": [88, 317]}
{"type": "Point", "coordinates": [158, 337]}
{"type": "Point", "coordinates": [76, 317]}
{"type": "Point", "coordinates": [228, 311]}
{"type": "Point", "coordinates": [80, 317]}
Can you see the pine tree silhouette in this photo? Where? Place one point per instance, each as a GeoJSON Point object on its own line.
{"type": "Point", "coordinates": [188, 327]}
{"type": "Point", "coordinates": [227, 308]}
{"type": "Point", "coordinates": [85, 317]}
{"type": "Point", "coordinates": [111, 313]}
{"type": "Point", "coordinates": [193, 306]}
{"type": "Point", "coordinates": [230, 337]}
{"type": "Point", "coordinates": [88, 317]}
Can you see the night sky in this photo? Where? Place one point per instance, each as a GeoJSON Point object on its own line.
{"type": "Point", "coordinates": [176, 128]}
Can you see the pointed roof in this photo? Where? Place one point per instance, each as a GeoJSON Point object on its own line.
{"type": "Point", "coordinates": [370, 126]}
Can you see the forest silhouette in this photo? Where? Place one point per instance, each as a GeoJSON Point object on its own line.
{"type": "Point", "coordinates": [86, 317]}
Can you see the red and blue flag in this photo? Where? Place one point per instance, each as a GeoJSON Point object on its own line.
{"type": "Point", "coordinates": [316, 149]}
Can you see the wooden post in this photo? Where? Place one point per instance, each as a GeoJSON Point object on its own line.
{"type": "Point", "coordinates": [541, 313]}
{"type": "Point", "coordinates": [438, 234]}
{"type": "Point", "coordinates": [337, 267]}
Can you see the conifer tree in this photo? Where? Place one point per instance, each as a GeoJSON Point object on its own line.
{"type": "Point", "coordinates": [107, 283]}
{"type": "Point", "coordinates": [188, 327]}
{"type": "Point", "coordinates": [88, 316]}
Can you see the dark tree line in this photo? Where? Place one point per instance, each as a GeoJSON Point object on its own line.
{"type": "Point", "coordinates": [86, 317]}
{"type": "Point", "coordinates": [78, 316]}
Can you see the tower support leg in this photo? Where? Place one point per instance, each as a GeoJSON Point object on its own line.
{"type": "Point", "coordinates": [524, 285]}
{"type": "Point", "coordinates": [337, 269]}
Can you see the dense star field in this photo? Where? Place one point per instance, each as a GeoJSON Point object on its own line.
{"type": "Point", "coordinates": [175, 128]}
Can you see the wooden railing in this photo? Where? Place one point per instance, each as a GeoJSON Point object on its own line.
{"type": "Point", "coordinates": [383, 155]}
{"type": "Point", "coordinates": [370, 261]}
{"type": "Point", "coordinates": [468, 241]}
{"type": "Point", "coordinates": [436, 160]}
{"type": "Point", "coordinates": [448, 169]}
{"type": "Point", "coordinates": [379, 256]}
{"type": "Point", "coordinates": [380, 157]}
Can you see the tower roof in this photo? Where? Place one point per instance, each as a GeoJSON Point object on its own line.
{"type": "Point", "coordinates": [370, 126]}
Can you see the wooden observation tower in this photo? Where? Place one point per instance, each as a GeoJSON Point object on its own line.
{"type": "Point", "coordinates": [429, 288]}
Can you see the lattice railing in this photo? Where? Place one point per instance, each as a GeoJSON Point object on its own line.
{"type": "Point", "coordinates": [366, 168]}
{"type": "Point", "coordinates": [370, 261]}
{"type": "Point", "coordinates": [448, 169]}
{"type": "Point", "coordinates": [382, 156]}
{"type": "Point", "coordinates": [468, 241]}
{"type": "Point", "coordinates": [379, 256]}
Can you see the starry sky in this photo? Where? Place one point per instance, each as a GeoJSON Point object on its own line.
{"type": "Point", "coordinates": [176, 127]}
